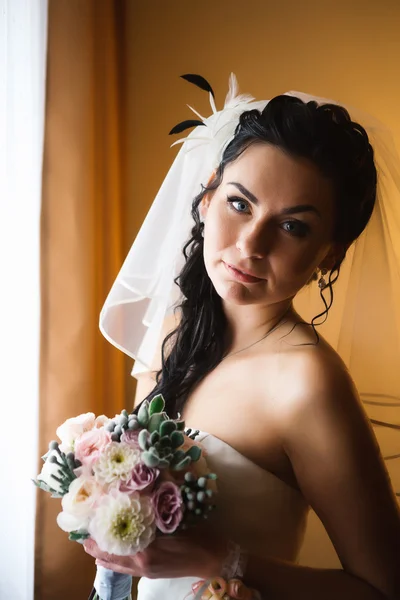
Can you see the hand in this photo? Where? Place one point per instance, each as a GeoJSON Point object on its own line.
{"type": "Point", "coordinates": [185, 554]}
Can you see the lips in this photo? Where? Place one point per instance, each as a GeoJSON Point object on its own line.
{"type": "Point", "coordinates": [241, 276]}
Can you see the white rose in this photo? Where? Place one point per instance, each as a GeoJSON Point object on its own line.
{"type": "Point", "coordinates": [48, 470]}
{"type": "Point", "coordinates": [101, 421]}
{"type": "Point", "coordinates": [73, 428]}
{"type": "Point", "coordinates": [79, 504]}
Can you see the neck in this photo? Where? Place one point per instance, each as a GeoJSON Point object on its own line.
{"type": "Point", "coordinates": [246, 324]}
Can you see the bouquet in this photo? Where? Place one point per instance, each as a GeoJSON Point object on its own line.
{"type": "Point", "coordinates": [125, 480]}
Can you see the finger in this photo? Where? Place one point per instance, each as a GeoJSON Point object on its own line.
{"type": "Point", "coordinates": [87, 546]}
{"type": "Point", "coordinates": [92, 548]}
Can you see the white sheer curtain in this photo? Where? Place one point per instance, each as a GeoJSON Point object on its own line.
{"type": "Point", "coordinates": [23, 32]}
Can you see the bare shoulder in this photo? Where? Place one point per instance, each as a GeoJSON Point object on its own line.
{"type": "Point", "coordinates": [321, 401]}
{"type": "Point", "coordinates": [316, 372]}
{"type": "Point", "coordinates": [332, 448]}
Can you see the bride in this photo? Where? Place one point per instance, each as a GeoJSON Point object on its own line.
{"type": "Point", "coordinates": [290, 185]}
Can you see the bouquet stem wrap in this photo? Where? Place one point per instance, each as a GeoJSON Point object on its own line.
{"type": "Point", "coordinates": [110, 585]}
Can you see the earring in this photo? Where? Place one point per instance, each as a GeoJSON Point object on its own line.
{"type": "Point", "coordinates": [322, 281]}
{"type": "Point", "coordinates": [202, 221]}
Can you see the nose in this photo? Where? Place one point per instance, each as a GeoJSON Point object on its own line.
{"type": "Point", "coordinates": [253, 241]}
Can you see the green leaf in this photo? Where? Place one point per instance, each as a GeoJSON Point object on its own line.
{"type": "Point", "coordinates": [165, 442]}
{"type": "Point", "coordinates": [77, 536]}
{"type": "Point", "coordinates": [167, 427]}
{"type": "Point", "coordinates": [177, 439]}
{"type": "Point", "coordinates": [194, 452]}
{"type": "Point", "coordinates": [143, 439]}
{"type": "Point", "coordinates": [155, 436]}
{"type": "Point", "coordinates": [180, 425]}
{"type": "Point", "coordinates": [155, 421]}
{"type": "Point", "coordinates": [157, 404]}
{"type": "Point", "coordinates": [46, 488]}
{"type": "Point", "coordinates": [143, 414]}
{"type": "Point", "coordinates": [150, 460]}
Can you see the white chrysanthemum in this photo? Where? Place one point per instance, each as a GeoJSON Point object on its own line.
{"type": "Point", "coordinates": [123, 524]}
{"type": "Point", "coordinates": [116, 462]}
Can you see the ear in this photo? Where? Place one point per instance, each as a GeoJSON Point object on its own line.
{"type": "Point", "coordinates": [205, 202]}
{"type": "Point", "coordinates": [335, 255]}
{"type": "Point", "coordinates": [204, 205]}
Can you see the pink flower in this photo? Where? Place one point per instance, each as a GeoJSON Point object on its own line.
{"type": "Point", "coordinates": [90, 444]}
{"type": "Point", "coordinates": [167, 503]}
{"type": "Point", "coordinates": [131, 438]}
{"type": "Point", "coordinates": [142, 477]}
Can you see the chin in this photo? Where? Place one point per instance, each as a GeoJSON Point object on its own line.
{"type": "Point", "coordinates": [232, 291]}
{"type": "Point", "coordinates": [236, 292]}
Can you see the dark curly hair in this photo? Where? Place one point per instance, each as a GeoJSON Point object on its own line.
{"type": "Point", "coordinates": [339, 147]}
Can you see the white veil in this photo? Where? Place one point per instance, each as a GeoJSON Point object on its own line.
{"type": "Point", "coordinates": [364, 321]}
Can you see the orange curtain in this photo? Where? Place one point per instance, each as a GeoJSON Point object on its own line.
{"type": "Point", "coordinates": [82, 249]}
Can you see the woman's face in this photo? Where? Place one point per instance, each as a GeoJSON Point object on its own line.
{"type": "Point", "coordinates": [267, 227]}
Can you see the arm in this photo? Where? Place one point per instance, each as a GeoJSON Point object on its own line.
{"type": "Point", "coordinates": [340, 471]}
{"type": "Point", "coordinates": [278, 580]}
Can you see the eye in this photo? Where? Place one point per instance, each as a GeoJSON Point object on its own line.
{"type": "Point", "coordinates": [238, 204]}
{"type": "Point", "coordinates": [296, 228]}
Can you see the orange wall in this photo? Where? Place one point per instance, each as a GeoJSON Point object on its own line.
{"type": "Point", "coordinates": [345, 50]}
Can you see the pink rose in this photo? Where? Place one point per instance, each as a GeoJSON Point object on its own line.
{"type": "Point", "coordinates": [90, 444]}
{"type": "Point", "coordinates": [167, 503]}
{"type": "Point", "coordinates": [141, 478]}
{"type": "Point", "coordinates": [131, 437]}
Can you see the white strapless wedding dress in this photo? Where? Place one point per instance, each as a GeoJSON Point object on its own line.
{"type": "Point", "coordinates": [254, 507]}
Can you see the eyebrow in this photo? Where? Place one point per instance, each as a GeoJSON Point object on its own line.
{"type": "Point", "coordinates": [300, 208]}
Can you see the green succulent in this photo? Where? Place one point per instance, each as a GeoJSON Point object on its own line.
{"type": "Point", "coordinates": [161, 438]}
